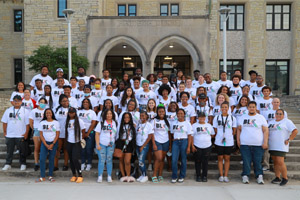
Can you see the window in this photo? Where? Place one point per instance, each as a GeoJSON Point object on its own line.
{"type": "Point", "coordinates": [164, 9]}
{"type": "Point", "coordinates": [174, 9]}
{"type": "Point", "coordinates": [121, 10]}
{"type": "Point", "coordinates": [277, 75]}
{"type": "Point", "coordinates": [235, 20]}
{"type": "Point", "coordinates": [231, 66]}
{"type": "Point", "coordinates": [278, 17]}
{"type": "Point", "coordinates": [18, 20]}
{"type": "Point", "coordinates": [61, 5]}
{"type": "Point", "coordinates": [131, 10]}
{"type": "Point", "coordinates": [18, 70]}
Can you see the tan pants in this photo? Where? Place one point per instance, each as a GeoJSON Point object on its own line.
{"type": "Point", "coordinates": [266, 159]}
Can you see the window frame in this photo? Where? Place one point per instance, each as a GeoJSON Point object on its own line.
{"type": "Point", "coordinates": [235, 18]}
{"type": "Point", "coordinates": [242, 65]}
{"type": "Point", "coordinates": [128, 14]}
{"type": "Point", "coordinates": [281, 17]}
{"type": "Point", "coordinates": [174, 4]}
{"type": "Point", "coordinates": [66, 7]}
{"type": "Point", "coordinates": [14, 68]}
{"type": "Point", "coordinates": [125, 14]}
{"type": "Point", "coordinates": [160, 13]}
{"type": "Point", "coordinates": [22, 17]}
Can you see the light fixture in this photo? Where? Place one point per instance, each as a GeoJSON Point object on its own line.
{"type": "Point", "coordinates": [168, 58]}
{"type": "Point", "coordinates": [127, 58]}
{"type": "Point", "coordinates": [171, 46]}
{"type": "Point", "coordinates": [124, 46]}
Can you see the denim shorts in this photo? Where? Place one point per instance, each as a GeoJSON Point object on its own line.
{"type": "Point", "coordinates": [36, 132]}
{"type": "Point", "coordinates": [162, 146]}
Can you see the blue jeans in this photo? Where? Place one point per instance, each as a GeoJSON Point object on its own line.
{"type": "Point", "coordinates": [87, 152]}
{"type": "Point", "coordinates": [142, 156]}
{"type": "Point", "coordinates": [179, 148]}
{"type": "Point", "coordinates": [252, 154]}
{"type": "Point", "coordinates": [43, 156]}
{"type": "Point", "coordinates": [105, 155]}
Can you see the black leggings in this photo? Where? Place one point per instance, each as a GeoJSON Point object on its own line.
{"type": "Point", "coordinates": [201, 161]}
{"type": "Point", "coordinates": [74, 151]}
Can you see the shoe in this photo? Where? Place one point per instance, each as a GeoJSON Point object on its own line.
{"type": "Point", "coordinates": [79, 180]}
{"type": "Point", "coordinates": [226, 179]}
{"type": "Point", "coordinates": [17, 152]}
{"type": "Point", "coordinates": [55, 169]}
{"type": "Point", "coordinates": [276, 180]}
{"type": "Point", "coordinates": [65, 168]}
{"type": "Point", "coordinates": [144, 179]}
{"type": "Point", "coordinates": [174, 180]}
{"type": "Point", "coordinates": [36, 167]}
{"type": "Point", "coordinates": [73, 179]}
{"type": "Point", "coordinates": [140, 178]}
{"type": "Point", "coordinates": [131, 179]}
{"type": "Point", "coordinates": [241, 162]}
{"type": "Point", "coordinates": [99, 180]}
{"type": "Point", "coordinates": [181, 180]}
{"type": "Point", "coordinates": [109, 179]}
{"type": "Point", "coordinates": [221, 179]}
{"type": "Point", "coordinates": [88, 167]}
{"type": "Point", "coordinates": [265, 169]}
{"type": "Point", "coordinates": [124, 179]}
{"type": "Point", "coordinates": [82, 167]}
{"type": "Point", "coordinates": [245, 179]}
{"type": "Point", "coordinates": [204, 179]}
{"type": "Point", "coordinates": [260, 179]}
{"type": "Point", "coordinates": [23, 167]}
{"type": "Point", "coordinates": [283, 182]}
{"type": "Point", "coordinates": [6, 167]}
{"type": "Point", "coordinates": [198, 179]}
{"type": "Point", "coordinates": [150, 167]}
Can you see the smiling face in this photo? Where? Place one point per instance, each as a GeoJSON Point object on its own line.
{"type": "Point", "coordinates": [244, 101]}
{"type": "Point", "coordinates": [279, 115]}
{"type": "Point", "coordinates": [86, 104]}
{"type": "Point", "coordinates": [151, 104]}
{"type": "Point", "coordinates": [109, 115]}
{"type": "Point", "coordinates": [131, 106]}
{"type": "Point", "coordinates": [221, 99]}
{"type": "Point", "coordinates": [184, 98]}
{"type": "Point", "coordinates": [161, 113]}
{"type": "Point", "coordinates": [126, 118]}
{"type": "Point", "coordinates": [48, 115]}
{"type": "Point", "coordinates": [180, 115]}
{"type": "Point", "coordinates": [143, 117]}
{"type": "Point", "coordinates": [108, 104]}
{"type": "Point", "coordinates": [224, 108]}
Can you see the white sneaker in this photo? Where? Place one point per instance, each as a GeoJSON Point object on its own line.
{"type": "Point", "coordinates": [260, 179]}
{"type": "Point", "coordinates": [88, 167]}
{"type": "Point", "coordinates": [139, 178]}
{"type": "Point", "coordinates": [6, 167]}
{"type": "Point", "coordinates": [23, 167]}
{"type": "Point", "coordinates": [109, 179]}
{"type": "Point", "coordinates": [144, 179]}
{"type": "Point", "coordinates": [241, 162]}
{"type": "Point", "coordinates": [180, 180]}
{"type": "Point", "coordinates": [265, 169]}
{"type": "Point", "coordinates": [82, 167]}
{"type": "Point", "coordinates": [17, 152]}
{"type": "Point", "coordinates": [150, 167]}
{"type": "Point", "coordinates": [221, 179]}
{"type": "Point", "coordinates": [99, 180]}
{"type": "Point", "coordinates": [173, 180]}
{"type": "Point", "coordinates": [245, 179]}
{"type": "Point", "coordinates": [226, 179]}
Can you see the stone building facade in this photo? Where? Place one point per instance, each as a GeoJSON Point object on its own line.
{"type": "Point", "coordinates": [100, 32]}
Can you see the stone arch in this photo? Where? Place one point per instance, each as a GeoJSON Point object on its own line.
{"type": "Point", "coordinates": [112, 42]}
{"type": "Point", "coordinates": [187, 44]}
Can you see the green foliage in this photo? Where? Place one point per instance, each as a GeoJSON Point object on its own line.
{"type": "Point", "coordinates": [56, 58]}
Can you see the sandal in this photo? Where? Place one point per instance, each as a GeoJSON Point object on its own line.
{"type": "Point", "coordinates": [154, 179]}
{"type": "Point", "coordinates": [73, 179]}
{"type": "Point", "coordinates": [51, 179]}
{"type": "Point", "coordinates": [40, 180]}
{"type": "Point", "coordinates": [131, 179]}
{"type": "Point", "coordinates": [160, 179]}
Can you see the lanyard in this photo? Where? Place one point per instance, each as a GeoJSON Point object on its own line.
{"type": "Point", "coordinates": [224, 124]}
{"type": "Point", "coordinates": [16, 114]}
{"type": "Point", "coordinates": [143, 128]}
{"type": "Point", "coordinates": [109, 125]}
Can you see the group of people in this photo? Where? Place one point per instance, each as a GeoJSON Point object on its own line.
{"type": "Point", "coordinates": [156, 118]}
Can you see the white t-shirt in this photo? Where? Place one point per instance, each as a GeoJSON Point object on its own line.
{"type": "Point", "coordinates": [217, 110]}
{"type": "Point", "coordinates": [36, 115]}
{"type": "Point", "coordinates": [279, 131]}
{"type": "Point", "coordinates": [264, 106]}
{"type": "Point", "coordinates": [189, 111]}
{"type": "Point", "coordinates": [127, 132]}
{"type": "Point", "coordinates": [17, 120]}
{"type": "Point", "coordinates": [73, 102]}
{"type": "Point", "coordinates": [166, 103]}
{"type": "Point", "coordinates": [93, 100]}
{"type": "Point", "coordinates": [206, 110]}
{"type": "Point", "coordinates": [249, 83]}
{"type": "Point", "coordinates": [172, 94]}
{"type": "Point", "coordinates": [197, 84]}
{"type": "Point", "coordinates": [151, 115]}
{"type": "Point", "coordinates": [99, 116]}
{"type": "Point", "coordinates": [181, 130]}
{"type": "Point", "coordinates": [235, 92]}
{"type": "Point", "coordinates": [124, 108]}
{"type": "Point", "coordinates": [142, 97]}
{"type": "Point", "coordinates": [77, 94]}
{"type": "Point", "coordinates": [271, 115]}
{"type": "Point", "coordinates": [47, 80]}
{"type": "Point", "coordinates": [142, 78]}
{"type": "Point", "coordinates": [71, 131]}
{"type": "Point", "coordinates": [202, 135]}
{"type": "Point", "coordinates": [104, 83]}
{"type": "Point", "coordinates": [237, 99]}
{"type": "Point", "coordinates": [97, 93]}
{"type": "Point", "coordinates": [142, 133]}
{"type": "Point", "coordinates": [114, 99]}
{"type": "Point", "coordinates": [37, 95]}
{"type": "Point", "coordinates": [135, 117]}
{"type": "Point", "coordinates": [171, 117]}
{"type": "Point", "coordinates": [212, 90]}
{"type": "Point", "coordinates": [227, 83]}
{"type": "Point", "coordinates": [49, 129]}
{"type": "Point", "coordinates": [14, 94]}
{"type": "Point", "coordinates": [161, 131]}
{"type": "Point", "coordinates": [28, 104]}
{"type": "Point", "coordinates": [252, 133]}
{"type": "Point", "coordinates": [238, 113]}
{"type": "Point", "coordinates": [54, 83]}
{"type": "Point", "coordinates": [153, 87]}
{"type": "Point", "coordinates": [85, 78]}
{"type": "Point", "coordinates": [192, 91]}
{"type": "Point", "coordinates": [228, 135]}
{"type": "Point", "coordinates": [56, 92]}
{"type": "Point", "coordinates": [107, 135]}
{"type": "Point", "coordinates": [87, 116]}
{"type": "Point", "coordinates": [257, 92]}
{"type": "Point", "coordinates": [61, 116]}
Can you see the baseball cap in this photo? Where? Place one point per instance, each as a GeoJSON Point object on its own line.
{"type": "Point", "coordinates": [59, 70]}
{"type": "Point", "coordinates": [17, 97]}
{"type": "Point", "coordinates": [202, 96]}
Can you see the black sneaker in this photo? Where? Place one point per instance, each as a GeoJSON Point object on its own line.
{"type": "Point", "coordinates": [283, 182]}
{"type": "Point", "coordinates": [36, 167]}
{"type": "Point", "coordinates": [204, 179]}
{"type": "Point", "coordinates": [198, 179]}
{"type": "Point", "coordinates": [55, 169]}
{"type": "Point", "coordinates": [65, 168]}
{"type": "Point", "coordinates": [276, 180]}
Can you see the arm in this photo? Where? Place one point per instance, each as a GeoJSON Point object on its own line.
{"type": "Point", "coordinates": [153, 143]}
{"type": "Point", "coordinates": [26, 132]}
{"type": "Point", "coordinates": [146, 142]}
{"type": "Point", "coordinates": [188, 150]}
{"type": "Point", "coordinates": [4, 129]}
{"type": "Point", "coordinates": [266, 137]}
{"type": "Point", "coordinates": [116, 108]}
{"type": "Point", "coordinates": [234, 131]}
{"type": "Point", "coordinates": [97, 140]}
{"type": "Point", "coordinates": [43, 139]}
{"type": "Point", "coordinates": [238, 134]}
{"type": "Point", "coordinates": [50, 147]}
{"type": "Point", "coordinates": [31, 123]}
{"type": "Point", "coordinates": [292, 136]}
{"type": "Point", "coordinates": [170, 140]}
{"type": "Point", "coordinates": [92, 126]}
{"type": "Point", "coordinates": [192, 145]}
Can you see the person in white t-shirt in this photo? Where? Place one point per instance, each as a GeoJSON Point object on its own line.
{"type": "Point", "coordinates": [82, 76]}
{"type": "Point", "coordinates": [252, 82]}
{"type": "Point", "coordinates": [48, 96]}
{"type": "Point", "coordinates": [282, 132]}
{"type": "Point", "coordinates": [89, 118]}
{"type": "Point", "coordinates": [15, 129]}
{"type": "Point", "coordinates": [20, 87]}
{"type": "Point", "coordinates": [27, 102]}
{"type": "Point", "coordinates": [144, 137]}
{"type": "Point", "coordinates": [47, 80]}
{"type": "Point", "coordinates": [110, 96]}
{"type": "Point", "coordinates": [265, 104]}
{"type": "Point", "coordinates": [256, 90]}
{"type": "Point", "coordinates": [57, 91]}
{"type": "Point", "coordinates": [196, 76]}
{"type": "Point", "coordinates": [137, 73]}
{"type": "Point", "coordinates": [59, 74]}
{"type": "Point", "coordinates": [202, 107]}
{"type": "Point", "coordinates": [239, 72]}
{"type": "Point", "coordinates": [38, 91]}
{"type": "Point", "coordinates": [35, 117]}
{"type": "Point", "coordinates": [211, 87]}
{"type": "Point", "coordinates": [87, 95]}
{"type": "Point", "coordinates": [241, 108]}
{"type": "Point", "coordinates": [126, 97]}
{"type": "Point", "coordinates": [236, 89]}
{"type": "Point", "coordinates": [221, 98]}
{"type": "Point", "coordinates": [200, 81]}
{"type": "Point", "coordinates": [246, 92]}
{"type": "Point", "coordinates": [181, 131]}
{"type": "Point", "coordinates": [144, 95]}
{"type": "Point", "coordinates": [72, 101]}
{"type": "Point", "coordinates": [201, 146]}
{"type": "Point", "coordinates": [271, 113]}
{"type": "Point", "coordinates": [105, 81]}
{"type": "Point", "coordinates": [225, 128]}
{"type": "Point", "coordinates": [136, 86]}
{"type": "Point", "coordinates": [49, 129]}
{"type": "Point", "coordinates": [226, 90]}
{"type": "Point", "coordinates": [192, 91]}
{"type": "Point", "coordinates": [190, 114]}
{"type": "Point", "coordinates": [164, 97]}
{"type": "Point", "coordinates": [223, 80]}
{"type": "Point", "coordinates": [98, 92]}
{"type": "Point", "coordinates": [252, 138]}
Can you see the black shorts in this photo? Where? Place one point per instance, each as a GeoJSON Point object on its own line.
{"type": "Point", "coordinates": [129, 148]}
{"type": "Point", "coordinates": [221, 150]}
{"type": "Point", "coordinates": [277, 153]}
